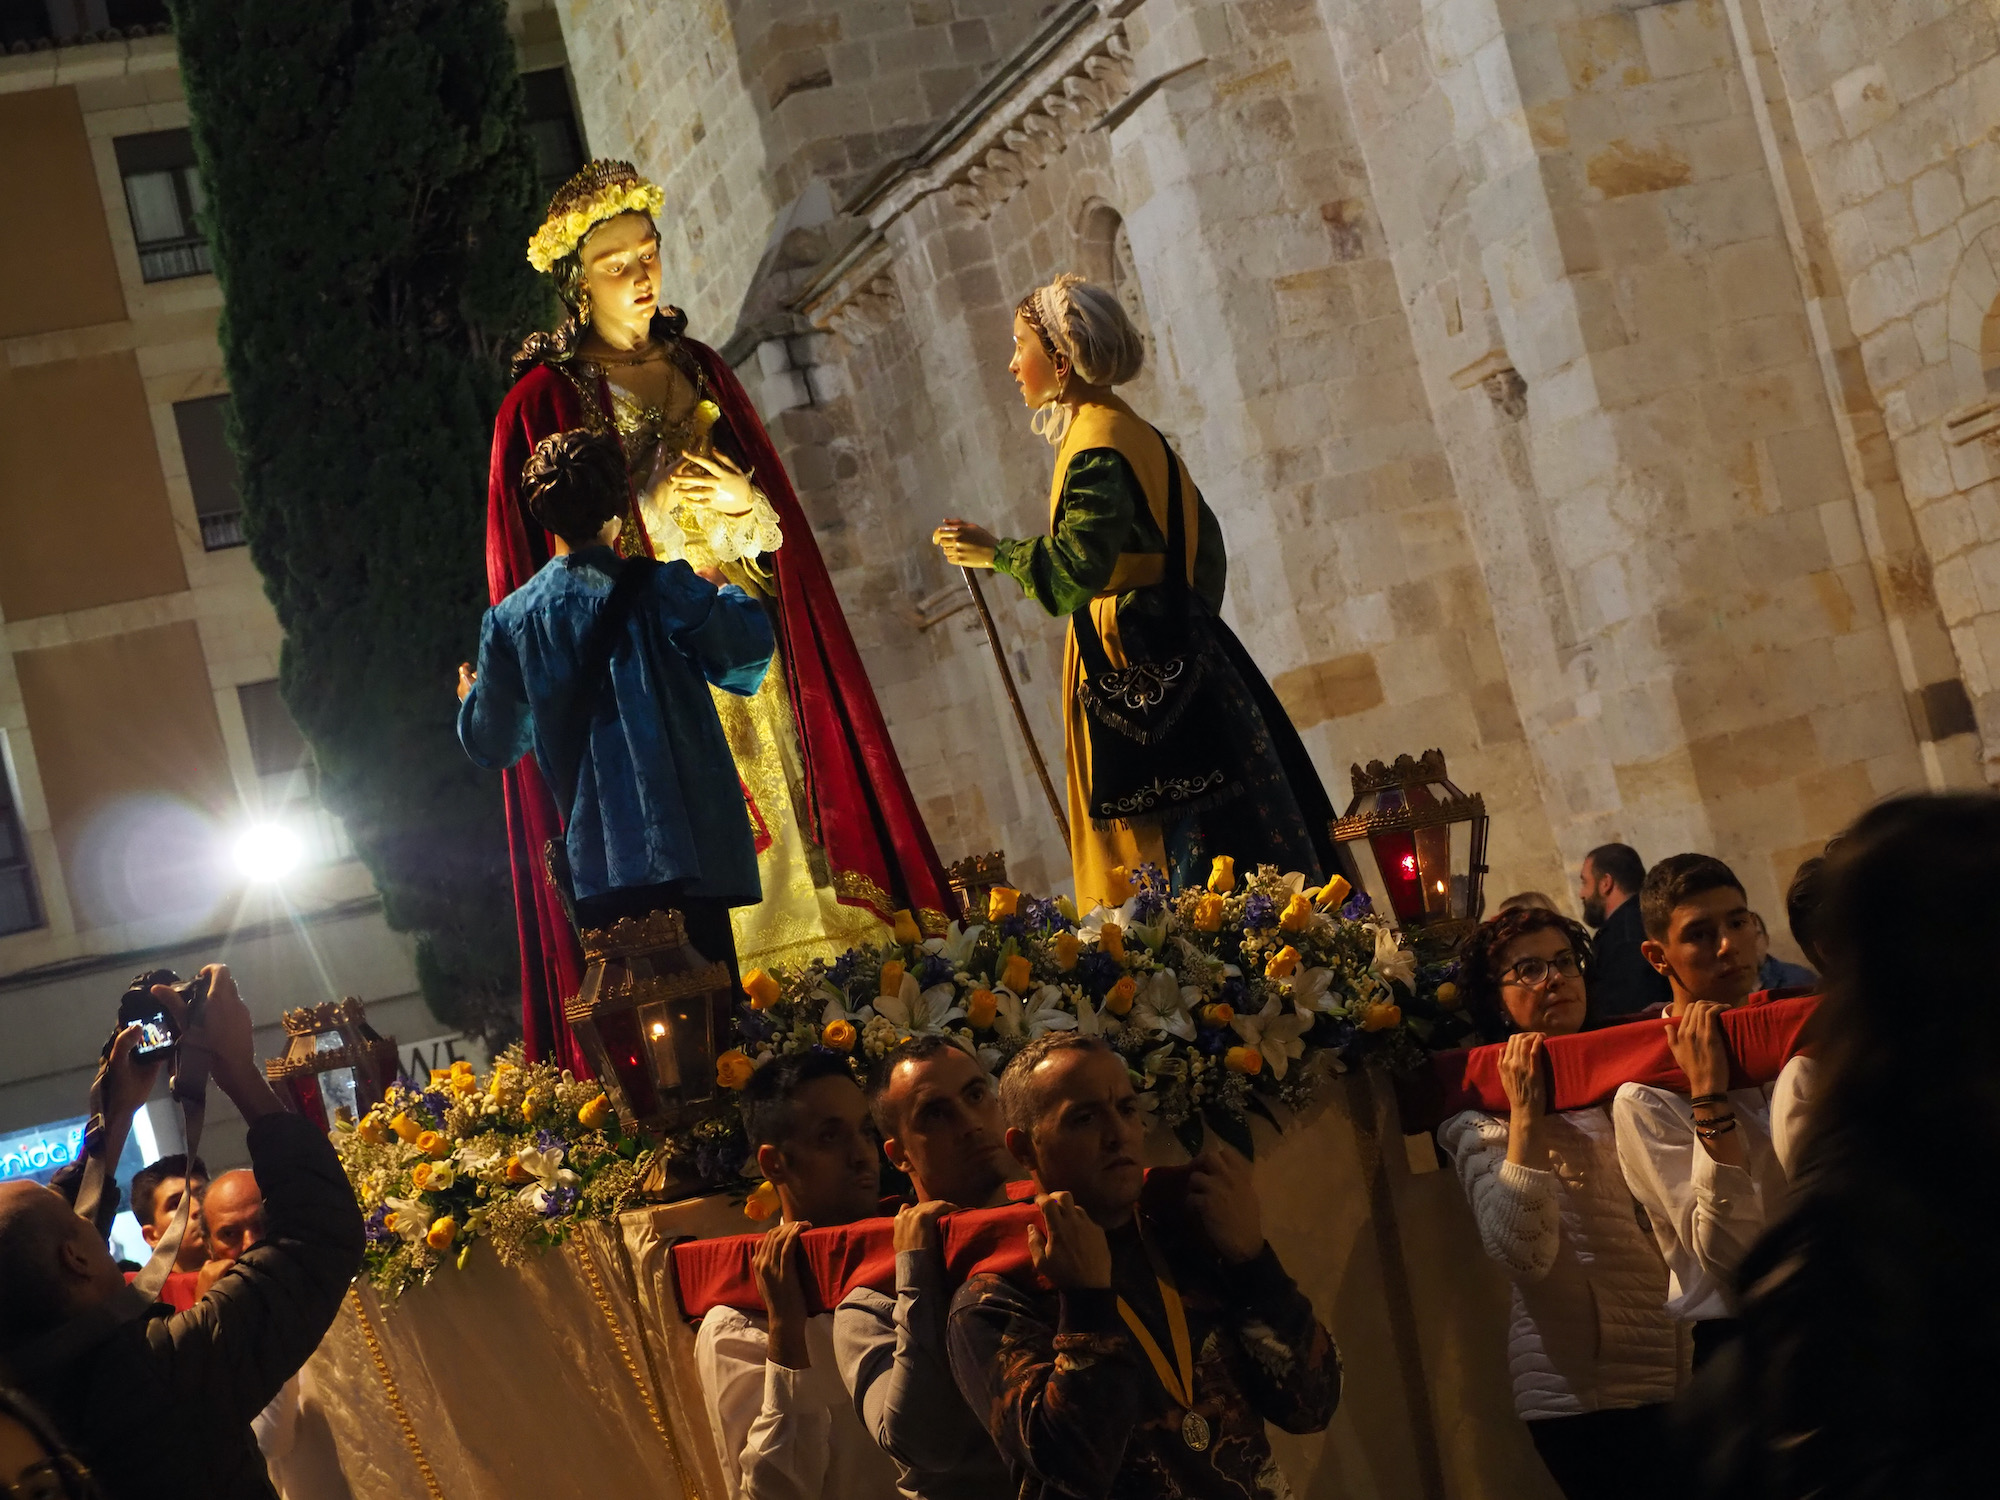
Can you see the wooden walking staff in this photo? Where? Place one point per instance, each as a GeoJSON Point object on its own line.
{"type": "Point", "coordinates": [1014, 697]}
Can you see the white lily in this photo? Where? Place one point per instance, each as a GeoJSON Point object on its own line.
{"type": "Point", "coordinates": [1392, 959]}
{"type": "Point", "coordinates": [408, 1218]}
{"type": "Point", "coordinates": [837, 1008]}
{"type": "Point", "coordinates": [916, 1012]}
{"type": "Point", "coordinates": [1294, 881]}
{"type": "Point", "coordinates": [1275, 1032]}
{"type": "Point", "coordinates": [1040, 1012]}
{"type": "Point", "coordinates": [1091, 928]}
{"type": "Point", "coordinates": [1096, 1022]}
{"type": "Point", "coordinates": [1312, 989]}
{"type": "Point", "coordinates": [957, 943]}
{"type": "Point", "coordinates": [547, 1168]}
{"type": "Point", "coordinates": [1165, 1007]}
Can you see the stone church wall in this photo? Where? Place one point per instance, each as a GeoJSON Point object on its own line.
{"type": "Point", "coordinates": [1492, 329]}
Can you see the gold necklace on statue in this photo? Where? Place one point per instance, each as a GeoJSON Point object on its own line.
{"type": "Point", "coordinates": [646, 356]}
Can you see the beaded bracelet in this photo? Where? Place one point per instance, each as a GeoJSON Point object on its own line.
{"type": "Point", "coordinates": [1718, 1128]}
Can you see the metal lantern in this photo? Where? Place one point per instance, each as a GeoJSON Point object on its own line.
{"type": "Point", "coordinates": [647, 1016]}
{"type": "Point", "coordinates": [972, 877]}
{"type": "Point", "coordinates": [1427, 840]}
{"type": "Point", "coordinates": [335, 1065]}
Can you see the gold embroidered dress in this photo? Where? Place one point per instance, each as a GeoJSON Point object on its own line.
{"type": "Point", "coordinates": [800, 917]}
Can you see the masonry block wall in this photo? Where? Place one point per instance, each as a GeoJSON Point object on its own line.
{"type": "Point", "coordinates": [1536, 355]}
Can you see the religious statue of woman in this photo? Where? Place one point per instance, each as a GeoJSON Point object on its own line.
{"type": "Point", "coordinates": [841, 847]}
{"type": "Point", "coordinates": [1178, 750]}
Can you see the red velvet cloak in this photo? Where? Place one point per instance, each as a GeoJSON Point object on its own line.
{"type": "Point", "coordinates": [863, 813]}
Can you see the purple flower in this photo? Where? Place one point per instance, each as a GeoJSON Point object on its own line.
{"type": "Point", "coordinates": [1147, 905]}
{"type": "Point", "coordinates": [559, 1201]}
{"type": "Point", "coordinates": [843, 969]}
{"type": "Point", "coordinates": [547, 1140]}
{"type": "Point", "coordinates": [1259, 912]}
{"type": "Point", "coordinates": [436, 1103]}
{"type": "Point", "coordinates": [1043, 915]}
{"type": "Point", "coordinates": [377, 1228]}
{"type": "Point", "coordinates": [1098, 970]}
{"type": "Point", "coordinates": [1358, 906]}
{"type": "Point", "coordinates": [935, 968]}
{"type": "Point", "coordinates": [753, 1025]}
{"type": "Point", "coordinates": [1150, 877]}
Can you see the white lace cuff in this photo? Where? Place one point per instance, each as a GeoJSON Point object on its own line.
{"type": "Point", "coordinates": [738, 538]}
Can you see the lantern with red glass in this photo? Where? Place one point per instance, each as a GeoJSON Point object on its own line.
{"type": "Point", "coordinates": [1426, 840]}
{"type": "Point", "coordinates": [334, 1065]}
{"type": "Point", "coordinates": [647, 1016]}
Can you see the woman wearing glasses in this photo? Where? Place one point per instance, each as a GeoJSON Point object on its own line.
{"type": "Point", "coordinates": [34, 1464]}
{"type": "Point", "coordinates": [1593, 1354]}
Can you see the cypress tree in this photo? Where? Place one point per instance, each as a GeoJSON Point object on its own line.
{"type": "Point", "coordinates": [369, 190]}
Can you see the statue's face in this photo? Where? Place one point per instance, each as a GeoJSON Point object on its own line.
{"type": "Point", "coordinates": [621, 269]}
{"type": "Point", "coordinates": [1033, 371]}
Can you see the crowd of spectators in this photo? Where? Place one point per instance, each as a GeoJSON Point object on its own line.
{"type": "Point", "coordinates": [1741, 1289]}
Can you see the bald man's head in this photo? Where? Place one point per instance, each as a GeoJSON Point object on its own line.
{"type": "Point", "coordinates": [52, 1263]}
{"type": "Point", "coordinates": [234, 1211]}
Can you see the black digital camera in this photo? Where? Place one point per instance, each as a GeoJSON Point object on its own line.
{"type": "Point", "coordinates": [140, 1007]}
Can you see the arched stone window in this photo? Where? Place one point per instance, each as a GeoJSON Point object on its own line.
{"type": "Point", "coordinates": [1107, 260]}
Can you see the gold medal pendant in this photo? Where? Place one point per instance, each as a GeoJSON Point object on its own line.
{"type": "Point", "coordinates": [1194, 1431]}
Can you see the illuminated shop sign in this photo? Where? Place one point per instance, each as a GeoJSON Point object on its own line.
{"type": "Point", "coordinates": [40, 1153]}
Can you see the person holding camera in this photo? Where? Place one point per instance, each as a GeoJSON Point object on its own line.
{"type": "Point", "coordinates": [94, 1353]}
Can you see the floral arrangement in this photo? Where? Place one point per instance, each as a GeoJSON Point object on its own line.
{"type": "Point", "coordinates": [559, 236]}
{"type": "Point", "coordinates": [1222, 999]}
{"type": "Point", "coordinates": [517, 1159]}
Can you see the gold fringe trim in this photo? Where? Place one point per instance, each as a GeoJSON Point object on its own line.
{"type": "Point", "coordinates": [588, 1260]}
{"type": "Point", "coordinates": [389, 1389]}
{"type": "Point", "coordinates": [854, 888]}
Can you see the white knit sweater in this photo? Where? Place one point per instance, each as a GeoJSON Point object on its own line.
{"type": "Point", "coordinates": [1590, 1329]}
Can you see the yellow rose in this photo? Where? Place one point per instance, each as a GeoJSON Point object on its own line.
{"type": "Point", "coordinates": [1111, 939]}
{"type": "Point", "coordinates": [1217, 1016]}
{"type": "Point", "coordinates": [981, 1006]}
{"type": "Point", "coordinates": [1282, 963]}
{"type": "Point", "coordinates": [1002, 901]}
{"type": "Point", "coordinates": [441, 1233]}
{"type": "Point", "coordinates": [1208, 914]}
{"type": "Point", "coordinates": [1381, 1017]}
{"type": "Point", "coordinates": [593, 1115]}
{"type": "Point", "coordinates": [1222, 874]}
{"type": "Point", "coordinates": [762, 1202]}
{"type": "Point", "coordinates": [1332, 895]}
{"type": "Point", "coordinates": [762, 989]}
{"type": "Point", "coordinates": [371, 1129]}
{"type": "Point", "coordinates": [433, 1145]}
{"type": "Point", "coordinates": [420, 1176]}
{"type": "Point", "coordinates": [515, 1171]}
{"type": "Point", "coordinates": [892, 978]}
{"type": "Point", "coordinates": [439, 1076]}
{"type": "Point", "coordinates": [1118, 886]}
{"type": "Point", "coordinates": [1118, 999]}
{"type": "Point", "coordinates": [406, 1128]}
{"type": "Point", "coordinates": [1447, 995]}
{"type": "Point", "coordinates": [1297, 915]}
{"type": "Point", "coordinates": [464, 1083]}
{"type": "Point", "coordinates": [907, 930]}
{"type": "Point", "coordinates": [1067, 945]}
{"type": "Point", "coordinates": [532, 1103]}
{"type": "Point", "coordinates": [1245, 1060]}
{"type": "Point", "coordinates": [733, 1069]}
{"type": "Point", "coordinates": [1017, 973]}
{"type": "Point", "coordinates": [838, 1035]}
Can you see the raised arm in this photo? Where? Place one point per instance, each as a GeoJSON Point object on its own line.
{"type": "Point", "coordinates": [722, 631]}
{"type": "Point", "coordinates": [1713, 1208]}
{"type": "Point", "coordinates": [494, 724]}
{"type": "Point", "coordinates": [1515, 1206]}
{"type": "Point", "coordinates": [262, 1320]}
{"type": "Point", "coordinates": [1063, 571]}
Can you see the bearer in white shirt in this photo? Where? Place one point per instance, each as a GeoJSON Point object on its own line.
{"type": "Point", "coordinates": [782, 1420]}
{"type": "Point", "coordinates": [1701, 1165]}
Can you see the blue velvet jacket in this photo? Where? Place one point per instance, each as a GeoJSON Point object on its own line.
{"type": "Point", "coordinates": [643, 775]}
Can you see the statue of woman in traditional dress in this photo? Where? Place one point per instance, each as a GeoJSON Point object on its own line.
{"type": "Point", "coordinates": [840, 845]}
{"type": "Point", "coordinates": [1178, 750]}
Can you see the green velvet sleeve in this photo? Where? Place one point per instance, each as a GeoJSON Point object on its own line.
{"type": "Point", "coordinates": [1095, 521]}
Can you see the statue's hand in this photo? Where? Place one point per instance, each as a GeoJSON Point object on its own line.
{"type": "Point", "coordinates": [712, 483]}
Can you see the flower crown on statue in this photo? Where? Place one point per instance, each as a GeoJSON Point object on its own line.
{"type": "Point", "coordinates": [603, 190]}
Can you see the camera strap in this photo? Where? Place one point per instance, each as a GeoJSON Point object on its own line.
{"type": "Point", "coordinates": [189, 1089]}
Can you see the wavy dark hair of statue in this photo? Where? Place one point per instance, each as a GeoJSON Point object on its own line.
{"type": "Point", "coordinates": [1479, 965]}
{"type": "Point", "coordinates": [559, 347]}
{"type": "Point", "coordinates": [1871, 1310]}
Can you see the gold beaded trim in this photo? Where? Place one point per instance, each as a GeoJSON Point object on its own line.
{"type": "Point", "coordinates": [389, 1389]}
{"type": "Point", "coordinates": [588, 1259]}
